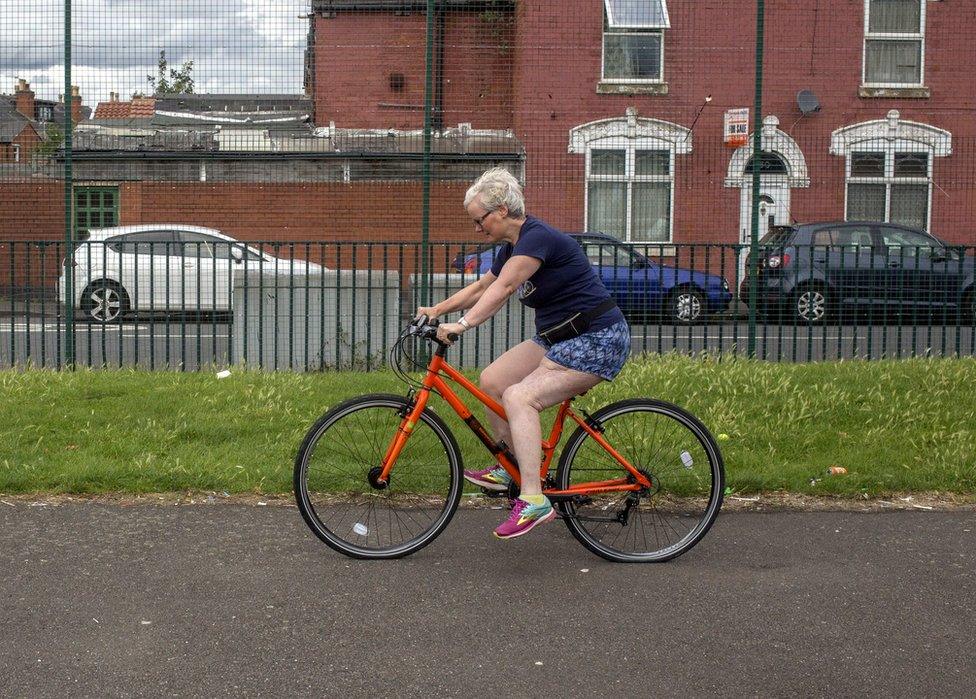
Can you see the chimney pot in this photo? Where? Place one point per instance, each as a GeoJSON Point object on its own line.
{"type": "Point", "coordinates": [25, 100]}
{"type": "Point", "coordinates": [76, 115]}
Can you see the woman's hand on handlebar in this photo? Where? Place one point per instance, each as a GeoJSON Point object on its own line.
{"type": "Point", "coordinates": [449, 332]}
{"type": "Point", "coordinates": [429, 311]}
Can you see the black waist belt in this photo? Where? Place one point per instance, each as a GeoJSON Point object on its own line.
{"type": "Point", "coordinates": [576, 324]}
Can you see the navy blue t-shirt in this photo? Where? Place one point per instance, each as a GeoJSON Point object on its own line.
{"type": "Point", "coordinates": [565, 284]}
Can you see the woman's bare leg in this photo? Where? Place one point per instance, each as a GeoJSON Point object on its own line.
{"type": "Point", "coordinates": [508, 369]}
{"type": "Point", "coordinates": [550, 384]}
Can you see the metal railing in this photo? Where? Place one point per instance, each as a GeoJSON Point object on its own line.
{"type": "Point", "coordinates": [314, 306]}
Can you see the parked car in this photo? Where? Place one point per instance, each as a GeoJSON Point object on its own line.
{"type": "Point", "coordinates": [640, 286]}
{"type": "Point", "coordinates": [816, 272]}
{"type": "Point", "coordinates": [163, 267]}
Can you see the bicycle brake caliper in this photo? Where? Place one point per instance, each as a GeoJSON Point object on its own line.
{"type": "Point", "coordinates": [593, 422]}
{"type": "Point", "coordinates": [408, 406]}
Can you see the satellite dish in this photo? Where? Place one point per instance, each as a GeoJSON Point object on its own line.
{"type": "Point", "coordinates": [807, 102]}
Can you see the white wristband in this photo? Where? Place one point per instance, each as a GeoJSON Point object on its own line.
{"type": "Point", "coordinates": [463, 321]}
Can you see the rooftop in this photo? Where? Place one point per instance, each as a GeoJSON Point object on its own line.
{"type": "Point", "coordinates": [117, 138]}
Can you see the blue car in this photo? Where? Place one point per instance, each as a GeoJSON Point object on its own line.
{"type": "Point", "coordinates": [640, 286]}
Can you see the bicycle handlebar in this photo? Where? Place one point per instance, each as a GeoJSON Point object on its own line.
{"type": "Point", "coordinates": [423, 326]}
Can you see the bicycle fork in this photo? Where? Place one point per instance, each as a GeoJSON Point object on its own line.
{"type": "Point", "coordinates": [410, 415]}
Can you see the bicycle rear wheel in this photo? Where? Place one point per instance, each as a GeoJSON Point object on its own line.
{"type": "Point", "coordinates": [677, 454]}
{"type": "Point", "coordinates": [335, 479]}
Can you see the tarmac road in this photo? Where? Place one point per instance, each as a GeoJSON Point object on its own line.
{"type": "Point", "coordinates": [150, 600]}
{"type": "Point", "coordinates": [194, 345]}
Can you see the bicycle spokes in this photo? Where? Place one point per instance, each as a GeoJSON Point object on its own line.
{"type": "Point", "coordinates": [657, 521]}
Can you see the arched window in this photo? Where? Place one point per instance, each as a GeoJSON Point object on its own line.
{"type": "Point", "coordinates": [888, 169]}
{"type": "Point", "coordinates": [630, 165]}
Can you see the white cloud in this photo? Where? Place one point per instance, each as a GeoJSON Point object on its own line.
{"type": "Point", "coordinates": [236, 45]}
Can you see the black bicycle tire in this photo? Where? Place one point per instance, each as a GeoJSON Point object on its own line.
{"type": "Point", "coordinates": [333, 416]}
{"type": "Point", "coordinates": [705, 439]}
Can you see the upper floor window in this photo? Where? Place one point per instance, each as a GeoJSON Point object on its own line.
{"type": "Point", "coordinates": [633, 40]}
{"type": "Point", "coordinates": [894, 42]}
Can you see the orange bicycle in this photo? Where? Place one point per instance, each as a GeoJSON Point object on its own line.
{"type": "Point", "coordinates": [380, 476]}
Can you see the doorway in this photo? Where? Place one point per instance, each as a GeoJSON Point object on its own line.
{"type": "Point", "coordinates": [774, 210]}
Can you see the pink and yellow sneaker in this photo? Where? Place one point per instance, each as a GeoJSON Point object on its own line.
{"type": "Point", "coordinates": [525, 517]}
{"type": "Point", "coordinates": [492, 478]}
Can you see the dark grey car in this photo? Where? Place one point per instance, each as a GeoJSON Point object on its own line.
{"type": "Point", "coordinates": [815, 272]}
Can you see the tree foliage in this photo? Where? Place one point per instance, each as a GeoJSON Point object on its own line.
{"type": "Point", "coordinates": [51, 142]}
{"type": "Point", "coordinates": [170, 80]}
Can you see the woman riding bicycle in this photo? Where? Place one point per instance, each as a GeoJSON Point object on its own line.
{"type": "Point", "coordinates": [582, 337]}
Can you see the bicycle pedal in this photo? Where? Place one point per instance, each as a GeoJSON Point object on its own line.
{"type": "Point", "coordinates": [494, 493]}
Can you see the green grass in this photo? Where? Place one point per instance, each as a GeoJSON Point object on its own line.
{"type": "Point", "coordinates": [897, 426]}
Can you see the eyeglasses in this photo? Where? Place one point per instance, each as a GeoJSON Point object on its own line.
{"type": "Point", "coordinates": [480, 222]}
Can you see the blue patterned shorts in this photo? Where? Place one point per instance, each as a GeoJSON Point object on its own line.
{"type": "Point", "coordinates": [602, 352]}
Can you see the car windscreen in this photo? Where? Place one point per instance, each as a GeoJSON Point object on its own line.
{"type": "Point", "coordinates": [777, 235]}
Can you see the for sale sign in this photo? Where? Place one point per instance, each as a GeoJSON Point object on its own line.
{"type": "Point", "coordinates": [736, 127]}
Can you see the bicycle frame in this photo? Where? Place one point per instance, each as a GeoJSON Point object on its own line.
{"type": "Point", "coordinates": [433, 381]}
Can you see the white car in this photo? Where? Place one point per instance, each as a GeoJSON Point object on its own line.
{"type": "Point", "coordinates": [165, 267]}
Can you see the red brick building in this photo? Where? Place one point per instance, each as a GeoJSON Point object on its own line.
{"type": "Point", "coordinates": [603, 95]}
{"type": "Point", "coordinates": [19, 134]}
{"type": "Point", "coordinates": [600, 105]}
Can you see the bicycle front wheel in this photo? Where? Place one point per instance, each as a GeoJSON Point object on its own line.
{"type": "Point", "coordinates": [674, 451]}
{"type": "Point", "coordinates": [336, 479]}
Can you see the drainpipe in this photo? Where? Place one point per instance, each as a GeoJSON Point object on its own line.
{"type": "Point", "coordinates": [438, 123]}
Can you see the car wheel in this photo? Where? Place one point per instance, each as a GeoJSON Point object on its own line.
{"type": "Point", "coordinates": [104, 302]}
{"type": "Point", "coordinates": [810, 304]}
{"type": "Point", "coordinates": [686, 306]}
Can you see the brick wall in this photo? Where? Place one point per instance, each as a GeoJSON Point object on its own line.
{"type": "Point", "coordinates": [710, 50]}
{"type": "Point", "coordinates": [357, 53]}
{"type": "Point", "coordinates": [30, 212]}
{"type": "Point", "coordinates": [27, 139]}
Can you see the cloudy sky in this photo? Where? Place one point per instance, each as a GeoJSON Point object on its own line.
{"type": "Point", "coordinates": [236, 45]}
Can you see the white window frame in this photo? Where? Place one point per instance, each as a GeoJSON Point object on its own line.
{"type": "Point", "coordinates": [893, 36]}
{"type": "Point", "coordinates": [889, 148]}
{"type": "Point", "coordinates": [16, 152]}
{"type": "Point", "coordinates": [630, 146]}
{"type": "Point", "coordinates": [613, 27]}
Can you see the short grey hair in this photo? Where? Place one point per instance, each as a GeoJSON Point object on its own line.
{"type": "Point", "coordinates": [497, 187]}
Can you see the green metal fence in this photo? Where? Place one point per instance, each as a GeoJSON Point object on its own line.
{"type": "Point", "coordinates": [153, 298]}
{"type": "Point", "coordinates": [345, 132]}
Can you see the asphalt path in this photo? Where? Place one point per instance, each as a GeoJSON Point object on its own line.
{"type": "Point", "coordinates": [102, 599]}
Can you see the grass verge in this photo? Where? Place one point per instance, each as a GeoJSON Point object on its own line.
{"type": "Point", "coordinates": [896, 426]}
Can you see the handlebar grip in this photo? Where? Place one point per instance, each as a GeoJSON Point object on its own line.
{"type": "Point", "coordinates": [453, 337]}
